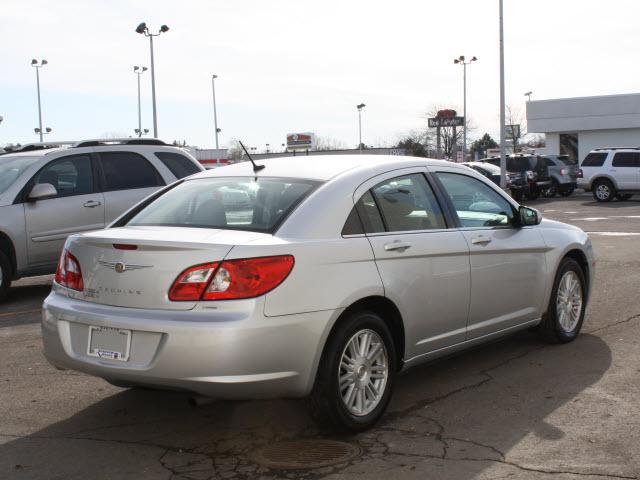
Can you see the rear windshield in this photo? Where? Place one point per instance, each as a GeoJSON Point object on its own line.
{"type": "Point", "coordinates": [520, 164]}
{"type": "Point", "coordinates": [232, 203]}
{"type": "Point", "coordinates": [11, 167]}
{"type": "Point", "coordinates": [491, 168]}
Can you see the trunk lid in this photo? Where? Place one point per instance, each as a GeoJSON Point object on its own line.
{"type": "Point", "coordinates": [141, 278]}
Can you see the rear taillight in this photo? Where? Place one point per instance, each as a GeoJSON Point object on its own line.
{"type": "Point", "coordinates": [564, 171]}
{"type": "Point", "coordinates": [68, 273]}
{"type": "Point", "coordinates": [231, 279]}
{"type": "Point", "coordinates": [579, 174]}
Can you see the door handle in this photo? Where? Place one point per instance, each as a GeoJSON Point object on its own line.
{"type": "Point", "coordinates": [481, 240]}
{"type": "Point", "coordinates": [397, 245]}
{"type": "Point", "coordinates": [92, 204]}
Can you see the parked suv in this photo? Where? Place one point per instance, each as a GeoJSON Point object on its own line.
{"type": "Point", "coordinates": [48, 192]}
{"type": "Point", "coordinates": [562, 172]}
{"type": "Point", "coordinates": [530, 170]}
{"type": "Point", "coordinates": [611, 173]}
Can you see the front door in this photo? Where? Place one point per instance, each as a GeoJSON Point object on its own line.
{"type": "Point", "coordinates": [77, 208]}
{"type": "Point", "coordinates": [508, 269]}
{"type": "Point", "coordinates": [424, 266]}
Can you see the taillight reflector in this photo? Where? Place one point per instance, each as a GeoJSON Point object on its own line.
{"type": "Point", "coordinates": [68, 273]}
{"type": "Point", "coordinates": [231, 279]}
{"type": "Point", "coordinates": [124, 246]}
{"type": "Point", "coordinates": [580, 174]}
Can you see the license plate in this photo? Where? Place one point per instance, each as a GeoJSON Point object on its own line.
{"type": "Point", "coordinates": [109, 343]}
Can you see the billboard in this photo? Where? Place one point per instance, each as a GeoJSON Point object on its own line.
{"type": "Point", "coordinates": [301, 141]}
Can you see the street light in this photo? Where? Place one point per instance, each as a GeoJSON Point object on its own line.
{"type": "Point", "coordinates": [141, 132]}
{"type": "Point", "coordinates": [360, 107]}
{"type": "Point", "coordinates": [461, 61]}
{"type": "Point", "coordinates": [503, 130]}
{"type": "Point", "coordinates": [528, 95]}
{"type": "Point", "coordinates": [38, 66]}
{"type": "Point", "coordinates": [41, 132]}
{"type": "Point", "coordinates": [215, 113]}
{"type": "Point", "coordinates": [139, 71]}
{"type": "Point", "coordinates": [144, 30]}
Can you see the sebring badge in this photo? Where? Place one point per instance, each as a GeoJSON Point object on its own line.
{"type": "Point", "coordinates": [120, 267]}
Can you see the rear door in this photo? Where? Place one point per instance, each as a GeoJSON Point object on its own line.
{"type": "Point", "coordinates": [79, 207]}
{"type": "Point", "coordinates": [127, 177]}
{"type": "Point", "coordinates": [625, 168]}
{"type": "Point", "coordinates": [424, 266]}
{"type": "Point", "coordinates": [508, 269]}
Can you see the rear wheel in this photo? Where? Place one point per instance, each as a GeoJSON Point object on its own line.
{"type": "Point", "coordinates": [517, 195]}
{"type": "Point", "coordinates": [533, 194]}
{"type": "Point", "coordinates": [603, 191]}
{"type": "Point", "coordinates": [623, 197]}
{"type": "Point", "coordinates": [565, 192]}
{"type": "Point", "coordinates": [552, 190]}
{"type": "Point", "coordinates": [565, 312]}
{"type": "Point", "coordinates": [5, 275]}
{"type": "Point", "coordinates": [356, 373]}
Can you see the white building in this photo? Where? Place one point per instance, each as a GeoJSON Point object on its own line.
{"type": "Point", "coordinates": [574, 126]}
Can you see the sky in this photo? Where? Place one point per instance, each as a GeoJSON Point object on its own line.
{"type": "Point", "coordinates": [289, 66]}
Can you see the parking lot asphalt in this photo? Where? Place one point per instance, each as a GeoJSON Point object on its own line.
{"type": "Point", "coordinates": [515, 408]}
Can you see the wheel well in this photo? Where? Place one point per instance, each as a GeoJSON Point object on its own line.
{"type": "Point", "coordinates": [581, 258]}
{"type": "Point", "coordinates": [605, 179]}
{"type": "Point", "coordinates": [389, 313]}
{"type": "Point", "coordinates": [6, 247]}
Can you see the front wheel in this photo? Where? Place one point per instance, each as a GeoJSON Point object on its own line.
{"type": "Point", "coordinates": [356, 373]}
{"type": "Point", "coordinates": [623, 197]}
{"type": "Point", "coordinates": [5, 275]}
{"type": "Point", "coordinates": [565, 312]}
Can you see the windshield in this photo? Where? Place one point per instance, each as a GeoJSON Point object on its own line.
{"type": "Point", "coordinates": [244, 203]}
{"type": "Point", "coordinates": [11, 167]}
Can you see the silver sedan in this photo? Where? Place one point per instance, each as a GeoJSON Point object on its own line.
{"type": "Point", "coordinates": [334, 274]}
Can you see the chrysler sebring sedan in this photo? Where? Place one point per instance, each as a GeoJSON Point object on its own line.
{"type": "Point", "coordinates": [334, 274]}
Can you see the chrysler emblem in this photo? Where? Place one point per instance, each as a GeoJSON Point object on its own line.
{"type": "Point", "coordinates": [121, 267]}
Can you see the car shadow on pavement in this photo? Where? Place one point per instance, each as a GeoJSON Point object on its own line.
{"type": "Point", "coordinates": [466, 413]}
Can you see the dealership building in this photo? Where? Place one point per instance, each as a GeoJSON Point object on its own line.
{"type": "Point", "coordinates": [575, 126]}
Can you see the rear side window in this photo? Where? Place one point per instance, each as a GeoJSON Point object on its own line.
{"type": "Point", "coordinates": [626, 159]}
{"type": "Point", "coordinates": [364, 217]}
{"type": "Point", "coordinates": [177, 164]}
{"type": "Point", "coordinates": [230, 203]}
{"type": "Point", "coordinates": [128, 170]}
{"type": "Point", "coordinates": [594, 159]}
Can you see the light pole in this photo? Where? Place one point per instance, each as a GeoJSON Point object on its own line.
{"type": "Point", "coordinates": [503, 130]}
{"type": "Point", "coordinates": [139, 71]}
{"type": "Point", "coordinates": [38, 66]}
{"type": "Point", "coordinates": [461, 61]}
{"type": "Point", "coordinates": [528, 95]}
{"type": "Point", "coordinates": [143, 29]}
{"type": "Point", "coordinates": [215, 113]}
{"type": "Point", "coordinates": [360, 107]}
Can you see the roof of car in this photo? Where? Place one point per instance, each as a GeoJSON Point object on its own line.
{"type": "Point", "coordinates": [319, 167]}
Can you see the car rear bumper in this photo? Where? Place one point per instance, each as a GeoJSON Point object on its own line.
{"type": "Point", "coordinates": [235, 354]}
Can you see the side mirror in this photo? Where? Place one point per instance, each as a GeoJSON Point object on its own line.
{"type": "Point", "coordinates": [42, 191]}
{"type": "Point", "coordinates": [529, 216]}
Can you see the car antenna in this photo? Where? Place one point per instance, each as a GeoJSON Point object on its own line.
{"type": "Point", "coordinates": [256, 168]}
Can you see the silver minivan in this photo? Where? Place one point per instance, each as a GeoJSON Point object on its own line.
{"type": "Point", "coordinates": [49, 192]}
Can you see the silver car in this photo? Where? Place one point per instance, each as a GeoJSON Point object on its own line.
{"type": "Point", "coordinates": [48, 192]}
{"type": "Point", "coordinates": [341, 273]}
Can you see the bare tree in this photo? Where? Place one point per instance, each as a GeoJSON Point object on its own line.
{"type": "Point", "coordinates": [451, 137]}
{"type": "Point", "coordinates": [325, 143]}
{"type": "Point", "coordinates": [514, 117]}
{"type": "Point", "coordinates": [235, 151]}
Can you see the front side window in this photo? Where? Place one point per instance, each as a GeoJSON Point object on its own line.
{"type": "Point", "coordinates": [177, 164]}
{"type": "Point", "coordinates": [70, 176]}
{"type": "Point", "coordinates": [232, 203]}
{"type": "Point", "coordinates": [626, 159]}
{"type": "Point", "coordinates": [128, 170]}
{"type": "Point", "coordinates": [408, 203]}
{"type": "Point", "coordinates": [594, 160]}
{"type": "Point", "coordinates": [476, 203]}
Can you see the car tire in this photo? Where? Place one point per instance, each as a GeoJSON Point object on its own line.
{"type": "Point", "coordinates": [565, 192]}
{"type": "Point", "coordinates": [603, 191]}
{"type": "Point", "coordinates": [6, 274]}
{"type": "Point", "coordinates": [552, 190]}
{"type": "Point", "coordinates": [623, 197]}
{"type": "Point", "coordinates": [565, 313]}
{"type": "Point", "coordinates": [533, 194]}
{"type": "Point", "coordinates": [517, 195]}
{"type": "Point", "coordinates": [342, 404]}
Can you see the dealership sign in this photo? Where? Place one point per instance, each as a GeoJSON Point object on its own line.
{"type": "Point", "coordinates": [301, 141]}
{"type": "Point", "coordinates": [436, 122]}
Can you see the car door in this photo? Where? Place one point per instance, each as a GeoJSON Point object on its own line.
{"type": "Point", "coordinates": [508, 269]}
{"type": "Point", "coordinates": [78, 207]}
{"type": "Point", "coordinates": [625, 168]}
{"type": "Point", "coordinates": [127, 177]}
{"type": "Point", "coordinates": [423, 265]}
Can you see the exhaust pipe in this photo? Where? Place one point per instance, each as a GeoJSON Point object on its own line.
{"type": "Point", "coordinates": [200, 400]}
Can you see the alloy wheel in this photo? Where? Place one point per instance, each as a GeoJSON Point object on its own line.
{"type": "Point", "coordinates": [603, 192]}
{"type": "Point", "coordinates": [569, 301]}
{"type": "Point", "coordinates": [363, 372]}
